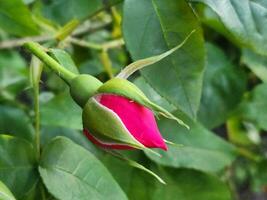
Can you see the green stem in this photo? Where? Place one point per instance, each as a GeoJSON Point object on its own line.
{"type": "Point", "coordinates": [67, 30]}
{"type": "Point", "coordinates": [37, 120]}
{"type": "Point", "coordinates": [104, 57]}
{"type": "Point", "coordinates": [36, 71]}
{"type": "Point", "coordinates": [39, 51]}
{"type": "Point", "coordinates": [86, 44]}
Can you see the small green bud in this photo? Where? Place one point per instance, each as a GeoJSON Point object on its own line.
{"type": "Point", "coordinates": [82, 87]}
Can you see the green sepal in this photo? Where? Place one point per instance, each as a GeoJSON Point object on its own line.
{"type": "Point", "coordinates": [83, 87]}
{"type": "Point", "coordinates": [135, 164]}
{"type": "Point", "coordinates": [139, 64]}
{"type": "Point", "coordinates": [127, 89]}
{"type": "Point", "coordinates": [104, 124]}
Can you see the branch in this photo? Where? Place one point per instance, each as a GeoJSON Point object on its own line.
{"type": "Point", "coordinates": [105, 46]}
{"type": "Point", "coordinates": [42, 38]}
{"type": "Point", "coordinates": [19, 42]}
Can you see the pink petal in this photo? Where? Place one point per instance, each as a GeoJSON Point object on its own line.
{"type": "Point", "coordinates": [138, 119]}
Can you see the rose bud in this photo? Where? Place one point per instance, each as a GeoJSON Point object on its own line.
{"type": "Point", "coordinates": [120, 116]}
{"type": "Point", "coordinates": [116, 122]}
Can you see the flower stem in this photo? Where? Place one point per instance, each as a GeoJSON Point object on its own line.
{"type": "Point", "coordinates": [104, 57]}
{"type": "Point", "coordinates": [36, 71]}
{"type": "Point", "coordinates": [39, 51]}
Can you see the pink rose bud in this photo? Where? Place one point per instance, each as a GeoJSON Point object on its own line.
{"type": "Point", "coordinates": [138, 121]}
{"type": "Point", "coordinates": [120, 116]}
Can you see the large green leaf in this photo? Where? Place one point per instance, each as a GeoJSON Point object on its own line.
{"type": "Point", "coordinates": [222, 79]}
{"type": "Point", "coordinates": [185, 184]}
{"type": "Point", "coordinates": [196, 152]}
{"type": "Point", "coordinates": [13, 74]}
{"type": "Point", "coordinates": [5, 193]}
{"type": "Point", "coordinates": [50, 132]}
{"type": "Point", "coordinates": [150, 92]}
{"type": "Point", "coordinates": [61, 111]}
{"type": "Point", "coordinates": [14, 121]}
{"type": "Point", "coordinates": [181, 184]}
{"type": "Point", "coordinates": [63, 11]}
{"type": "Point", "coordinates": [15, 18]}
{"type": "Point", "coordinates": [245, 21]}
{"type": "Point", "coordinates": [92, 66]}
{"type": "Point", "coordinates": [17, 165]}
{"type": "Point", "coordinates": [152, 27]}
{"type": "Point", "coordinates": [120, 169]}
{"type": "Point", "coordinates": [70, 172]}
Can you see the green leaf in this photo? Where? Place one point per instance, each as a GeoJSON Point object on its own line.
{"type": "Point", "coordinates": [140, 64]}
{"type": "Point", "coordinates": [180, 79]}
{"type": "Point", "coordinates": [222, 79]}
{"type": "Point", "coordinates": [135, 164]}
{"type": "Point", "coordinates": [50, 132]}
{"type": "Point", "coordinates": [37, 190]}
{"type": "Point", "coordinates": [13, 74]}
{"type": "Point", "coordinates": [5, 193]}
{"type": "Point", "coordinates": [70, 177]}
{"type": "Point", "coordinates": [61, 111]}
{"type": "Point", "coordinates": [182, 184]}
{"type": "Point", "coordinates": [245, 21]}
{"type": "Point", "coordinates": [17, 165]}
{"type": "Point", "coordinates": [92, 67]}
{"type": "Point", "coordinates": [16, 19]}
{"type": "Point", "coordinates": [10, 125]}
{"type": "Point", "coordinates": [141, 83]}
{"type": "Point", "coordinates": [254, 107]}
{"type": "Point", "coordinates": [63, 11]}
{"type": "Point", "coordinates": [256, 63]}
{"type": "Point", "coordinates": [120, 169]}
{"type": "Point", "coordinates": [185, 184]}
{"type": "Point", "coordinates": [193, 150]}
{"type": "Point", "coordinates": [64, 59]}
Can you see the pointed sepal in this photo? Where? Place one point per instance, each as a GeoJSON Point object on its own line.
{"type": "Point", "coordinates": [125, 88]}
{"type": "Point", "coordinates": [135, 164]}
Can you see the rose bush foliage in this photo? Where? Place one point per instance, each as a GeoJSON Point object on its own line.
{"type": "Point", "coordinates": [133, 99]}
